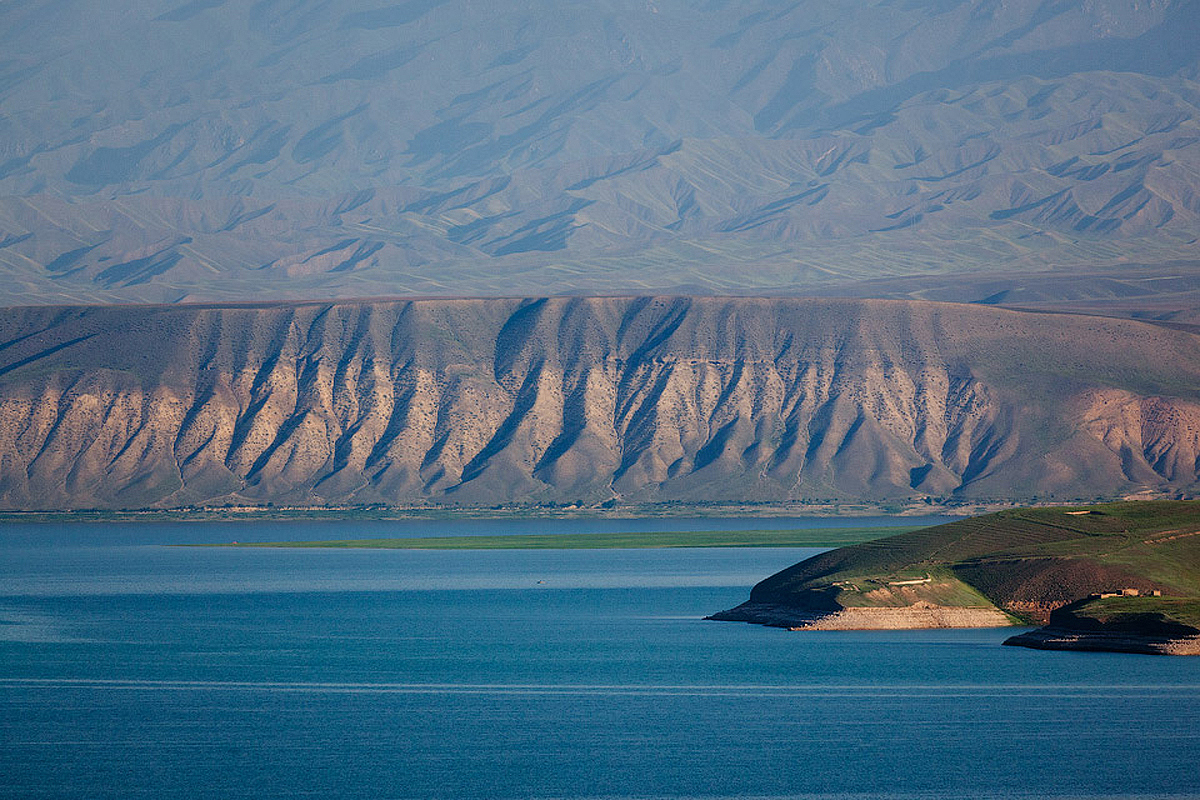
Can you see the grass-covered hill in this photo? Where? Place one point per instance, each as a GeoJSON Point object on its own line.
{"type": "Point", "coordinates": [1027, 562]}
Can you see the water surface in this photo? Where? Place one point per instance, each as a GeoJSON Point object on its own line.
{"type": "Point", "coordinates": [130, 668]}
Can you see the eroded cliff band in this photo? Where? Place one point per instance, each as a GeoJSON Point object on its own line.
{"type": "Point", "coordinates": [476, 402]}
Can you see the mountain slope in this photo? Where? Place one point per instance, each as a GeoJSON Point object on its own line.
{"type": "Point", "coordinates": [159, 151]}
{"type": "Point", "coordinates": [647, 399]}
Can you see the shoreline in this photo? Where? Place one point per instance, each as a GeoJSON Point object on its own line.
{"type": "Point", "coordinates": [920, 616]}
{"type": "Point", "coordinates": [664, 510]}
{"type": "Point", "coordinates": [632, 540]}
{"type": "Point", "coordinates": [398, 513]}
{"type": "Point", "coordinates": [1056, 638]}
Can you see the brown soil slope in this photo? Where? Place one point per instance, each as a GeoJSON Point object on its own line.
{"type": "Point", "coordinates": [489, 401]}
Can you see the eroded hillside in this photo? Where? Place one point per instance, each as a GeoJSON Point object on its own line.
{"type": "Point", "coordinates": [482, 402]}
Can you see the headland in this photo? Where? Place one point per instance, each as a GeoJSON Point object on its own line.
{"type": "Point", "coordinates": [1115, 576]}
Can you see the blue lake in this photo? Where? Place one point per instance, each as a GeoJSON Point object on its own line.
{"type": "Point", "coordinates": [131, 668]}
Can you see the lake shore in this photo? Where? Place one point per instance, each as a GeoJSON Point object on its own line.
{"type": "Point", "coordinates": [1154, 625]}
{"type": "Point", "coordinates": [637, 540]}
{"type": "Point", "coordinates": [919, 616]}
{"type": "Point", "coordinates": [271, 513]}
{"type": "Point", "coordinates": [1051, 638]}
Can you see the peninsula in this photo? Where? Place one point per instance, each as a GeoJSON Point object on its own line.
{"type": "Point", "coordinates": [1115, 576]}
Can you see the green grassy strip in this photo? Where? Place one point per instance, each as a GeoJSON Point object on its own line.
{"type": "Point", "coordinates": [813, 537]}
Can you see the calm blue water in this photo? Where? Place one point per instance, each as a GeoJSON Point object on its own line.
{"type": "Point", "coordinates": [133, 669]}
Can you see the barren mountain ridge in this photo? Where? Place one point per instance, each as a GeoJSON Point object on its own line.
{"type": "Point", "coordinates": [584, 400]}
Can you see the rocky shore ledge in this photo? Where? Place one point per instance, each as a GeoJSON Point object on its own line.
{"type": "Point", "coordinates": [1051, 638]}
{"type": "Point", "coordinates": [919, 615]}
{"type": "Point", "coordinates": [1154, 625]}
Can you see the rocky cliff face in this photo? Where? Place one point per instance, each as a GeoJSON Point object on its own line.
{"type": "Point", "coordinates": [496, 401]}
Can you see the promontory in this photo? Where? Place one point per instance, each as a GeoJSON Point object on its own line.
{"type": "Point", "coordinates": [1115, 576]}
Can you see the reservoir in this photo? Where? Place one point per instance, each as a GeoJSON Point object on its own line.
{"type": "Point", "coordinates": [133, 668]}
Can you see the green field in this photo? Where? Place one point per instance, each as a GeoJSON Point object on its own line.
{"type": "Point", "coordinates": [813, 537]}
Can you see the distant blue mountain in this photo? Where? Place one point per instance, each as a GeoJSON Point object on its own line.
{"type": "Point", "coordinates": [207, 150]}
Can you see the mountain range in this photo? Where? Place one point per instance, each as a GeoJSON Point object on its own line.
{"type": "Point", "coordinates": [867, 250]}
{"type": "Point", "coordinates": [589, 400]}
{"type": "Point", "coordinates": [205, 150]}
